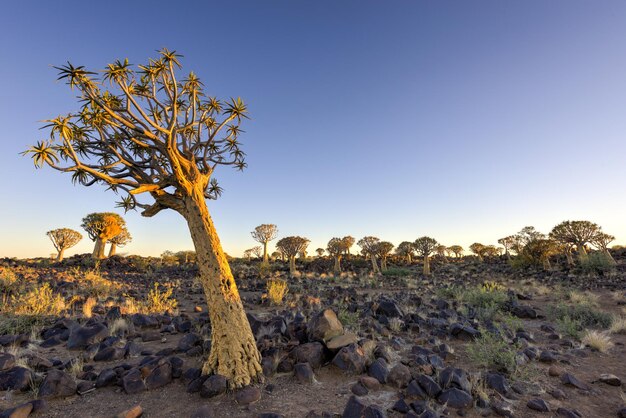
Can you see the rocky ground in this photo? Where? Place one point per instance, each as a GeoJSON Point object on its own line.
{"type": "Point", "coordinates": [473, 339]}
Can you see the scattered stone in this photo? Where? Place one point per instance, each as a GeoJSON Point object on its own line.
{"type": "Point", "coordinates": [57, 384]}
{"type": "Point", "coordinates": [6, 361]}
{"type": "Point", "coordinates": [188, 342]}
{"type": "Point", "coordinates": [399, 376]}
{"type": "Point", "coordinates": [538, 404]}
{"type": "Point", "coordinates": [81, 337]}
{"type": "Point", "coordinates": [340, 341]}
{"type": "Point", "coordinates": [370, 382]}
{"type": "Point", "coordinates": [304, 373]}
{"type": "Point", "coordinates": [463, 332]}
{"type": "Point", "coordinates": [455, 398]}
{"type": "Point", "coordinates": [547, 357]}
{"type": "Point", "coordinates": [134, 412]}
{"type": "Point", "coordinates": [350, 359]}
{"type": "Point", "coordinates": [324, 326]}
{"type": "Point", "coordinates": [354, 408]}
{"type": "Point", "coordinates": [151, 335]}
{"type": "Point", "coordinates": [497, 382]}
{"type": "Point", "coordinates": [555, 370]}
{"type": "Point", "coordinates": [214, 385]}
{"type": "Point", "coordinates": [389, 308]}
{"type": "Point", "coordinates": [610, 379]}
{"type": "Point", "coordinates": [133, 383]}
{"type": "Point", "coordinates": [431, 387]}
{"type": "Point", "coordinates": [110, 354]}
{"type": "Point", "coordinates": [312, 353]}
{"type": "Point", "coordinates": [359, 390]}
{"type": "Point", "coordinates": [571, 413]}
{"type": "Point", "coordinates": [569, 379]}
{"type": "Point", "coordinates": [159, 376]}
{"type": "Point", "coordinates": [378, 370]}
{"type": "Point", "coordinates": [524, 311]}
{"type": "Point", "coordinates": [248, 395]}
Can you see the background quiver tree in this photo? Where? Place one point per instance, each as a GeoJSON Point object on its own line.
{"type": "Point", "coordinates": [291, 247]}
{"type": "Point", "coordinates": [383, 249]}
{"type": "Point", "coordinates": [424, 247]}
{"type": "Point", "coordinates": [457, 250]}
{"type": "Point", "coordinates": [336, 248]}
{"type": "Point", "coordinates": [441, 251]}
{"type": "Point", "coordinates": [102, 227]}
{"type": "Point", "coordinates": [478, 249]}
{"type": "Point", "coordinates": [507, 243]}
{"type": "Point", "coordinates": [538, 251]}
{"type": "Point", "coordinates": [320, 252]}
{"type": "Point", "coordinates": [62, 239]}
{"type": "Point", "coordinates": [406, 250]}
{"type": "Point", "coordinates": [264, 233]}
{"type": "Point", "coordinates": [348, 242]}
{"type": "Point", "coordinates": [368, 248]}
{"type": "Point", "coordinates": [257, 251]}
{"type": "Point", "coordinates": [157, 134]}
{"type": "Point", "coordinates": [577, 233]}
{"type": "Point", "coordinates": [601, 241]}
{"type": "Point", "coordinates": [119, 241]}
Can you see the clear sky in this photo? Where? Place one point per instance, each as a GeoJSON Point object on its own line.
{"type": "Point", "coordinates": [461, 120]}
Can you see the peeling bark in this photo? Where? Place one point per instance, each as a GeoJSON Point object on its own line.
{"type": "Point", "coordinates": [337, 267]}
{"type": "Point", "coordinates": [112, 250]}
{"type": "Point", "coordinates": [426, 266]}
{"type": "Point", "coordinates": [98, 251]}
{"type": "Point", "coordinates": [60, 255]}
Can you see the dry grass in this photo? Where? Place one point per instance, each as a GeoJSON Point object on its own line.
{"type": "Point", "coordinates": [97, 286]}
{"type": "Point", "coordinates": [618, 326]}
{"type": "Point", "coordinates": [76, 367]}
{"type": "Point", "coordinates": [88, 307]}
{"type": "Point", "coordinates": [277, 289]}
{"type": "Point", "coordinates": [583, 298]}
{"type": "Point", "coordinates": [597, 340]}
{"type": "Point", "coordinates": [120, 327]}
{"type": "Point", "coordinates": [395, 324]}
{"type": "Point", "coordinates": [159, 301]}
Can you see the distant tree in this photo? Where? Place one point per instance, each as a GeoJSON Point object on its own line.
{"type": "Point", "coordinates": [507, 243]}
{"type": "Point", "coordinates": [348, 242]}
{"type": "Point", "coordinates": [320, 252]}
{"type": "Point", "coordinates": [457, 250]}
{"type": "Point", "coordinates": [276, 255]}
{"type": "Point", "coordinates": [292, 246]}
{"type": "Point", "coordinates": [336, 248]}
{"type": "Point", "coordinates": [155, 133]}
{"type": "Point", "coordinates": [405, 249]}
{"type": "Point", "coordinates": [119, 241]}
{"type": "Point", "coordinates": [185, 257]}
{"type": "Point", "coordinates": [490, 251]}
{"type": "Point", "coordinates": [383, 249]}
{"type": "Point", "coordinates": [102, 227]}
{"type": "Point", "coordinates": [441, 251]}
{"type": "Point", "coordinates": [258, 251]}
{"type": "Point", "coordinates": [601, 241]}
{"type": "Point", "coordinates": [368, 248]}
{"type": "Point", "coordinates": [478, 249]}
{"type": "Point", "coordinates": [539, 251]}
{"type": "Point", "coordinates": [248, 254]}
{"type": "Point", "coordinates": [62, 239]}
{"type": "Point", "coordinates": [577, 233]}
{"type": "Point", "coordinates": [425, 247]}
{"type": "Point", "coordinates": [303, 254]}
{"type": "Point", "coordinates": [264, 233]}
{"type": "Point", "coordinates": [168, 257]}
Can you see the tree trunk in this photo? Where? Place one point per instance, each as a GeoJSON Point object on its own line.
{"type": "Point", "coordinates": [374, 264]}
{"type": "Point", "coordinates": [409, 260]}
{"type": "Point", "coordinates": [609, 256]}
{"type": "Point", "coordinates": [233, 349]}
{"type": "Point", "coordinates": [568, 256]}
{"type": "Point", "coordinates": [426, 266]}
{"type": "Point", "coordinates": [60, 255]}
{"type": "Point", "coordinates": [383, 263]}
{"type": "Point", "coordinates": [337, 268]}
{"type": "Point", "coordinates": [546, 264]}
{"type": "Point", "coordinates": [112, 250]}
{"type": "Point", "coordinates": [292, 265]}
{"type": "Point", "coordinates": [582, 252]}
{"type": "Point", "coordinates": [98, 250]}
{"type": "Point", "coordinates": [265, 252]}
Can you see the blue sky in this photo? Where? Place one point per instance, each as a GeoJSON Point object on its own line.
{"type": "Point", "coordinates": [465, 121]}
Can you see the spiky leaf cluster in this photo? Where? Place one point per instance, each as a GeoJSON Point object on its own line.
{"type": "Point", "coordinates": [425, 246]}
{"type": "Point", "coordinates": [64, 238]}
{"type": "Point", "coordinates": [292, 246]}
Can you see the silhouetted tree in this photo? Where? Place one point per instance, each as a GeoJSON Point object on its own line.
{"type": "Point", "coordinates": [348, 242]}
{"type": "Point", "coordinates": [153, 132]}
{"type": "Point", "coordinates": [336, 248]}
{"type": "Point", "coordinates": [601, 241]}
{"type": "Point", "coordinates": [405, 249]}
{"type": "Point", "coordinates": [507, 243]}
{"type": "Point", "coordinates": [577, 233]}
{"type": "Point", "coordinates": [292, 246]}
{"type": "Point", "coordinates": [264, 233]}
{"type": "Point", "coordinates": [457, 250]}
{"type": "Point", "coordinates": [368, 248]}
{"type": "Point", "coordinates": [383, 249]}
{"type": "Point", "coordinates": [478, 249]}
{"type": "Point", "coordinates": [62, 239]}
{"type": "Point", "coordinates": [320, 252]}
{"type": "Point", "coordinates": [424, 247]}
{"type": "Point", "coordinates": [257, 251]}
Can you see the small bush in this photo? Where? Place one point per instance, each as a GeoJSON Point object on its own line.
{"type": "Point", "coordinates": [9, 282]}
{"type": "Point", "coordinates": [348, 319]}
{"type": "Point", "coordinates": [88, 307]}
{"type": "Point", "coordinates": [583, 298]}
{"type": "Point", "coordinates": [481, 298]}
{"type": "Point", "coordinates": [600, 341]}
{"type": "Point", "coordinates": [586, 315]}
{"type": "Point", "coordinates": [159, 301]}
{"type": "Point", "coordinates": [34, 308]}
{"type": "Point", "coordinates": [397, 272]}
{"type": "Point", "coordinates": [570, 327]}
{"type": "Point", "coordinates": [277, 289]}
{"type": "Point", "coordinates": [597, 263]}
{"type": "Point", "coordinates": [491, 286]}
{"type": "Point", "coordinates": [265, 270]}
{"type": "Point", "coordinates": [96, 285]}
{"type": "Point", "coordinates": [618, 326]}
{"type": "Point", "coordinates": [494, 352]}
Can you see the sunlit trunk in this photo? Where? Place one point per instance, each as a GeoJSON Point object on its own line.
{"type": "Point", "coordinates": [337, 267]}
{"type": "Point", "coordinates": [568, 256]}
{"type": "Point", "coordinates": [265, 252]}
{"type": "Point", "coordinates": [98, 251]}
{"type": "Point", "coordinates": [546, 264]}
{"type": "Point", "coordinates": [409, 259]}
{"type": "Point", "coordinates": [374, 264]}
{"type": "Point", "coordinates": [426, 266]}
{"type": "Point", "coordinates": [292, 265]}
{"type": "Point", "coordinates": [609, 256]}
{"type": "Point", "coordinates": [60, 255]}
{"type": "Point", "coordinates": [112, 250]}
{"type": "Point", "coordinates": [233, 349]}
{"type": "Point", "coordinates": [582, 252]}
{"type": "Point", "coordinates": [383, 263]}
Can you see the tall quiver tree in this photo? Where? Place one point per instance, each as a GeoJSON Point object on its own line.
{"type": "Point", "coordinates": [264, 233]}
{"type": "Point", "coordinates": [102, 227]}
{"type": "Point", "coordinates": [348, 242]}
{"type": "Point", "coordinates": [368, 247]}
{"type": "Point", "coordinates": [405, 249]}
{"type": "Point", "coordinates": [383, 249]}
{"type": "Point", "coordinates": [62, 239]}
{"type": "Point", "coordinates": [424, 247]}
{"type": "Point", "coordinates": [601, 241]}
{"type": "Point", "coordinates": [507, 243]}
{"type": "Point", "coordinates": [148, 132]}
{"type": "Point", "coordinates": [119, 241]}
{"type": "Point", "coordinates": [577, 233]}
{"type": "Point", "coordinates": [336, 248]}
{"type": "Point", "coordinates": [291, 247]}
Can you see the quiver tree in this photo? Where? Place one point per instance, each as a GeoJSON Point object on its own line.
{"type": "Point", "coordinates": [153, 133]}
{"type": "Point", "coordinates": [62, 239]}
{"type": "Point", "coordinates": [577, 233]}
{"type": "Point", "coordinates": [368, 248]}
{"type": "Point", "coordinates": [291, 247]}
{"type": "Point", "coordinates": [348, 242]}
{"type": "Point", "coordinates": [320, 252]}
{"type": "Point", "coordinates": [276, 255]}
{"type": "Point", "coordinates": [507, 243]}
{"type": "Point", "coordinates": [478, 249]}
{"type": "Point", "coordinates": [119, 241]}
{"type": "Point", "coordinates": [457, 250]}
{"type": "Point", "coordinates": [405, 249]}
{"type": "Point", "coordinates": [441, 250]}
{"type": "Point", "coordinates": [383, 249]}
{"type": "Point", "coordinates": [336, 248]}
{"type": "Point", "coordinates": [601, 241]}
{"type": "Point", "coordinates": [264, 233]}
{"type": "Point", "coordinates": [248, 254]}
{"type": "Point", "coordinates": [257, 251]}
{"type": "Point", "coordinates": [424, 247]}
{"type": "Point", "coordinates": [538, 251]}
{"type": "Point", "coordinates": [101, 228]}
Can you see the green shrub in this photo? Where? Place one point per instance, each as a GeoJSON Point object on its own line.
{"type": "Point", "coordinates": [397, 272]}
{"type": "Point", "coordinates": [494, 352]}
{"type": "Point", "coordinates": [597, 263]}
{"type": "Point", "coordinates": [586, 315]}
{"type": "Point", "coordinates": [570, 327]}
{"type": "Point", "coordinates": [481, 298]}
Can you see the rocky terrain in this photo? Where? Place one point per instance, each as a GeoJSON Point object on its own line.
{"type": "Point", "coordinates": [128, 337]}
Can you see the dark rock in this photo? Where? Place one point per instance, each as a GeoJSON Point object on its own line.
{"type": "Point", "coordinates": [401, 406]}
{"type": "Point", "coordinates": [415, 391]}
{"type": "Point", "coordinates": [399, 376]}
{"type": "Point", "coordinates": [547, 357]}
{"type": "Point", "coordinates": [455, 398]}
{"type": "Point", "coordinates": [350, 359]}
{"type": "Point", "coordinates": [359, 390]}
{"type": "Point", "coordinates": [498, 383]}
{"type": "Point", "coordinates": [57, 384]}
{"type": "Point", "coordinates": [248, 395]}
{"type": "Point", "coordinates": [524, 311]}
{"type": "Point", "coordinates": [214, 385]}
{"type": "Point", "coordinates": [557, 394]}
{"type": "Point", "coordinates": [191, 374]}
{"type": "Point", "coordinates": [343, 340]}
{"type": "Point", "coordinates": [312, 353]}
{"type": "Point", "coordinates": [84, 386]}
{"type": "Point", "coordinates": [159, 376]}
{"type": "Point", "coordinates": [463, 332]}
{"type": "Point", "coordinates": [6, 361]}
{"type": "Point", "coordinates": [354, 408]}
{"type": "Point", "coordinates": [374, 411]}
{"type": "Point", "coordinates": [196, 384]}
{"type": "Point", "coordinates": [188, 342]}
{"type": "Point", "coordinates": [144, 321]}
{"type": "Point", "coordinates": [106, 377]}
{"type": "Point", "coordinates": [370, 382]}
{"type": "Point", "coordinates": [431, 387]}
{"type": "Point", "coordinates": [132, 382]}
{"type": "Point", "coordinates": [177, 366]}
{"type": "Point", "coordinates": [285, 366]}
{"type": "Point", "coordinates": [151, 335]}
{"type": "Point", "coordinates": [538, 404]}
{"type": "Point", "coordinates": [379, 370]}
{"type": "Point", "coordinates": [569, 379]}
{"type": "Point", "coordinates": [572, 413]}
{"type": "Point", "coordinates": [304, 373]}
{"type": "Point", "coordinates": [452, 377]}
{"type": "Point", "coordinates": [110, 354]}
{"type": "Point", "coordinates": [81, 337]}
{"type": "Point", "coordinates": [621, 413]}
{"type": "Point", "coordinates": [389, 308]}
{"type": "Point", "coordinates": [324, 326]}
{"type": "Point", "coordinates": [610, 379]}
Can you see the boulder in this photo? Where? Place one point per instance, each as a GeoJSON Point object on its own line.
{"type": "Point", "coordinates": [324, 326]}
